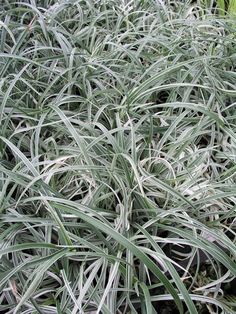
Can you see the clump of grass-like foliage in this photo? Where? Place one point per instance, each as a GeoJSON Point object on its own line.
{"type": "Point", "coordinates": [117, 157]}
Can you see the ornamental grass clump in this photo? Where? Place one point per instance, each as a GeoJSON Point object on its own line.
{"type": "Point", "coordinates": [117, 158]}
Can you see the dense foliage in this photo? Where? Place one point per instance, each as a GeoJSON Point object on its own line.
{"type": "Point", "coordinates": [117, 157]}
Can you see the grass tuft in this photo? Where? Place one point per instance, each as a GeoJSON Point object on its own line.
{"type": "Point", "coordinates": [117, 157]}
